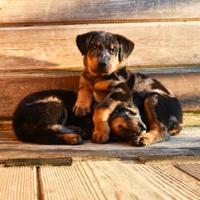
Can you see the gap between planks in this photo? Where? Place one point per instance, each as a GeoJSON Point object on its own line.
{"type": "Point", "coordinates": [99, 180]}
{"type": "Point", "coordinates": [118, 180]}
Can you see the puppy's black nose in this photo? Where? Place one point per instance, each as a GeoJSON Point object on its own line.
{"type": "Point", "coordinates": [102, 65]}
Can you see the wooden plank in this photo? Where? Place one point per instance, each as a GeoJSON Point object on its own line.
{"type": "Point", "coordinates": [192, 169]}
{"type": "Point", "coordinates": [25, 85]}
{"type": "Point", "coordinates": [184, 86]}
{"type": "Point", "coordinates": [187, 88]}
{"type": "Point", "coordinates": [118, 180]}
{"type": "Point", "coordinates": [172, 181]}
{"type": "Point", "coordinates": [21, 11]}
{"type": "Point", "coordinates": [69, 183]}
{"type": "Point", "coordinates": [18, 183]}
{"type": "Point", "coordinates": [53, 47]}
{"type": "Point", "coordinates": [186, 144]}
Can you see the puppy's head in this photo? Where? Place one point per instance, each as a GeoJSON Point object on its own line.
{"type": "Point", "coordinates": [125, 123]}
{"type": "Point", "coordinates": [103, 51]}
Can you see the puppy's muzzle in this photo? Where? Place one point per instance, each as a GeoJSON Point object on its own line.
{"type": "Point", "coordinates": [103, 63]}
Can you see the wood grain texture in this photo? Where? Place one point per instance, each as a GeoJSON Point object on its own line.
{"type": "Point", "coordinates": [53, 47]}
{"type": "Point", "coordinates": [14, 88]}
{"type": "Point", "coordinates": [18, 183]}
{"type": "Point", "coordinates": [193, 169]}
{"type": "Point", "coordinates": [69, 183]}
{"type": "Point", "coordinates": [22, 11]}
{"type": "Point", "coordinates": [118, 180]}
{"type": "Point", "coordinates": [186, 144]}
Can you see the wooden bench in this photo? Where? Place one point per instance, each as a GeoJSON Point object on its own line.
{"type": "Point", "coordinates": [38, 51]}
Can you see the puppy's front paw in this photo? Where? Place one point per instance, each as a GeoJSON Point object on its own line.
{"type": "Point", "coordinates": [81, 109]}
{"type": "Point", "coordinates": [151, 137]}
{"type": "Point", "coordinates": [145, 139]}
{"type": "Point", "coordinates": [99, 137]}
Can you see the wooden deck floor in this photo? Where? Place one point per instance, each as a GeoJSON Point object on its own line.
{"type": "Point", "coordinates": [168, 170]}
{"type": "Point", "coordinates": [113, 179]}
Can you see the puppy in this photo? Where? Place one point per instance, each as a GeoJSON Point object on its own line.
{"type": "Point", "coordinates": [46, 117]}
{"type": "Point", "coordinates": [103, 81]}
{"type": "Point", "coordinates": [117, 101]}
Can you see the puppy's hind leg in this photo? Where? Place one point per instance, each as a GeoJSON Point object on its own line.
{"type": "Point", "coordinates": [157, 130]}
{"type": "Point", "coordinates": [66, 135]}
{"type": "Point", "coordinates": [50, 134]}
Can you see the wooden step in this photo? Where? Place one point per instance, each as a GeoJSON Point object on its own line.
{"type": "Point", "coordinates": [85, 11]}
{"type": "Point", "coordinates": [186, 144]}
{"type": "Point", "coordinates": [15, 86]}
{"type": "Point", "coordinates": [53, 47]}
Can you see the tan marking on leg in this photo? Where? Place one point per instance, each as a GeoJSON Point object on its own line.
{"type": "Point", "coordinates": [100, 119]}
{"type": "Point", "coordinates": [157, 133]}
{"type": "Point", "coordinates": [83, 103]}
{"type": "Point", "coordinates": [66, 134]}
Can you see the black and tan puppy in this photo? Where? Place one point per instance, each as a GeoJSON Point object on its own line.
{"type": "Point", "coordinates": [46, 117]}
{"type": "Point", "coordinates": [104, 80]}
{"type": "Point", "coordinates": [119, 101]}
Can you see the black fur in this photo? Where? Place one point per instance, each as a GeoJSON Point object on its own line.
{"type": "Point", "coordinates": [48, 117]}
{"type": "Point", "coordinates": [31, 120]}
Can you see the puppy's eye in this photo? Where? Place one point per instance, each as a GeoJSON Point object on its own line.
{"type": "Point", "coordinates": [113, 50]}
{"type": "Point", "coordinates": [94, 46]}
{"type": "Point", "coordinates": [132, 112]}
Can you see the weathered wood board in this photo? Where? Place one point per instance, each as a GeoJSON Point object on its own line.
{"type": "Point", "coordinates": [185, 144]}
{"type": "Point", "coordinates": [86, 11]}
{"type": "Point", "coordinates": [18, 183]}
{"type": "Point", "coordinates": [53, 47]}
{"type": "Point", "coordinates": [118, 180]}
{"type": "Point", "coordinates": [101, 179]}
{"type": "Point", "coordinates": [14, 88]}
{"type": "Point", "coordinates": [193, 169]}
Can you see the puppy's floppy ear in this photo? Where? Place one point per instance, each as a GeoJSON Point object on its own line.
{"type": "Point", "coordinates": [83, 41]}
{"type": "Point", "coordinates": [126, 47]}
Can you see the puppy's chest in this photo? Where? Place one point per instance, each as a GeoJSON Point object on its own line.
{"type": "Point", "coordinates": [103, 87]}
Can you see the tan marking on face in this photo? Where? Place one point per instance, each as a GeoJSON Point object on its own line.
{"type": "Point", "coordinates": [91, 63]}
{"type": "Point", "coordinates": [117, 124]}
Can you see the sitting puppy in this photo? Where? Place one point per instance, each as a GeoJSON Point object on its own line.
{"type": "Point", "coordinates": [104, 80]}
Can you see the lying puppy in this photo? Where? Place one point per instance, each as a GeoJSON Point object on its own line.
{"type": "Point", "coordinates": [104, 73]}
{"type": "Point", "coordinates": [46, 117]}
